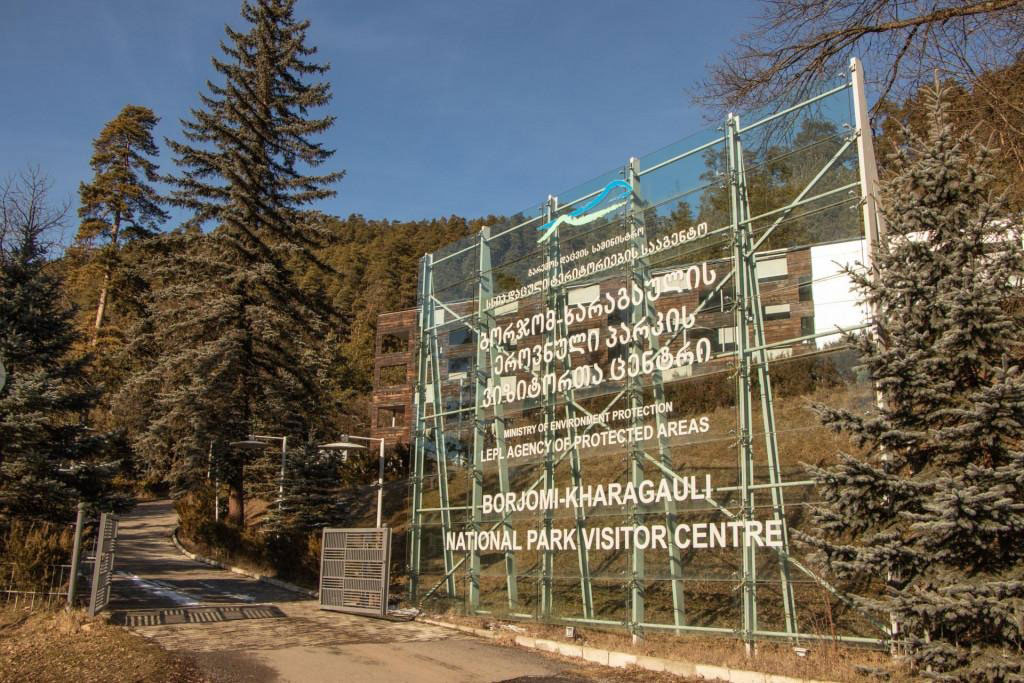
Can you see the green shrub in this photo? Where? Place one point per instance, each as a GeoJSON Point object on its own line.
{"type": "Point", "coordinates": [215, 538]}
{"type": "Point", "coordinates": [194, 509]}
{"type": "Point", "coordinates": [295, 555]}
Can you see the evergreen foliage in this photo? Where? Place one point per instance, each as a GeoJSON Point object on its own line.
{"type": "Point", "coordinates": [311, 499]}
{"type": "Point", "coordinates": [932, 513]}
{"type": "Point", "coordinates": [47, 457]}
{"type": "Point", "coordinates": [119, 204]}
{"type": "Point", "coordinates": [375, 270]}
{"type": "Point", "coordinates": [240, 162]}
{"type": "Point", "coordinates": [234, 343]}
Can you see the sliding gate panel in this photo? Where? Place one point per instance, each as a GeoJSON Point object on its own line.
{"type": "Point", "coordinates": [103, 564]}
{"type": "Point", "coordinates": [354, 574]}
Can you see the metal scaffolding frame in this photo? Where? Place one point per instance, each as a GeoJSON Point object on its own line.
{"type": "Point", "coordinates": [751, 366]}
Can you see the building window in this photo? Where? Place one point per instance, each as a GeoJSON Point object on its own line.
{"type": "Point", "coordinates": [505, 309]}
{"type": "Point", "coordinates": [617, 317]}
{"type": "Point", "coordinates": [393, 375]}
{"type": "Point", "coordinates": [394, 342]}
{"type": "Point", "coordinates": [458, 365]}
{"type": "Point", "coordinates": [727, 338]}
{"type": "Point", "coordinates": [452, 402]}
{"type": "Point", "coordinates": [806, 288]}
{"type": "Point", "coordinates": [776, 312]}
{"type": "Point", "coordinates": [390, 416]}
{"type": "Point", "coordinates": [460, 336]}
{"type": "Point", "coordinates": [720, 299]}
{"type": "Point", "coordinates": [711, 300]}
{"type": "Point", "coordinates": [806, 325]}
{"type": "Point", "coordinates": [773, 268]}
{"type": "Point", "coordinates": [584, 295]}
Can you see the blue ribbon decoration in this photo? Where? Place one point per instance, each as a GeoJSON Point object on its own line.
{"type": "Point", "coordinates": [626, 188]}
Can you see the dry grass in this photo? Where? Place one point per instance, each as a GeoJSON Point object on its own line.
{"type": "Point", "coordinates": [823, 661]}
{"type": "Point", "coordinates": [233, 556]}
{"type": "Point", "coordinates": [60, 646]}
{"type": "Point", "coordinates": [710, 574]}
{"type": "Point", "coordinates": [710, 598]}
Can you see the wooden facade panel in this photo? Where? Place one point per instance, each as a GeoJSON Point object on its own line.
{"type": "Point", "coordinates": [387, 398]}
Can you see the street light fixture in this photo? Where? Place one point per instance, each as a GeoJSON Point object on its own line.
{"type": "Point", "coordinates": [344, 445]}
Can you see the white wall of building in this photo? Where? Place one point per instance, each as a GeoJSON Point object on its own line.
{"type": "Point", "coordinates": [835, 300]}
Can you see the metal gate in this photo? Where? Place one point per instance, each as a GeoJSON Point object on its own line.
{"type": "Point", "coordinates": [354, 570]}
{"type": "Point", "coordinates": [103, 563]}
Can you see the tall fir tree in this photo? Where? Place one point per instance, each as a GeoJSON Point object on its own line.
{"type": "Point", "coordinates": [47, 456]}
{"type": "Point", "coordinates": [931, 514]}
{"type": "Point", "coordinates": [234, 339]}
{"type": "Point", "coordinates": [119, 204]}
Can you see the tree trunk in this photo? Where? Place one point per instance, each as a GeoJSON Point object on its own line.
{"type": "Point", "coordinates": [101, 307]}
{"type": "Point", "coordinates": [236, 496]}
{"type": "Point", "coordinates": [108, 271]}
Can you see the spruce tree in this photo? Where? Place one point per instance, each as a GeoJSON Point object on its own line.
{"type": "Point", "coordinates": [119, 203]}
{"type": "Point", "coordinates": [311, 499]}
{"type": "Point", "coordinates": [232, 335]}
{"type": "Point", "coordinates": [46, 454]}
{"type": "Point", "coordinates": [930, 514]}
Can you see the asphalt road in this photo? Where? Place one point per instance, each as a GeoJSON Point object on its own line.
{"type": "Point", "coordinates": [241, 630]}
{"type": "Point", "coordinates": [150, 572]}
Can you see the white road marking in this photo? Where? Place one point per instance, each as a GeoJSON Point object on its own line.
{"type": "Point", "coordinates": [237, 596]}
{"type": "Point", "coordinates": [161, 591]}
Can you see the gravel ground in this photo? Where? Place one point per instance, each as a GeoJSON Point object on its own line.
{"type": "Point", "coordinates": [58, 647]}
{"type": "Point", "coordinates": [54, 647]}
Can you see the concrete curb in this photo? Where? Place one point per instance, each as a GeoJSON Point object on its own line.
{"type": "Point", "coordinates": [621, 660]}
{"type": "Point", "coordinates": [238, 570]}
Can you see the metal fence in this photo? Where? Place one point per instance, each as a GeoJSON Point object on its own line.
{"type": "Point", "coordinates": [35, 587]}
{"type": "Point", "coordinates": [35, 584]}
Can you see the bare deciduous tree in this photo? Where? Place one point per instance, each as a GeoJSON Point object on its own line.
{"type": "Point", "coordinates": [797, 42]}
{"type": "Point", "coordinates": [26, 214]}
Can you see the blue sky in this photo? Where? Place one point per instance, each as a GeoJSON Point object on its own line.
{"type": "Point", "coordinates": [443, 108]}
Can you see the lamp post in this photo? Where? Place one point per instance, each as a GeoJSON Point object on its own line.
{"type": "Point", "coordinates": [257, 442]}
{"type": "Point", "coordinates": [216, 483]}
{"type": "Point", "coordinates": [344, 444]}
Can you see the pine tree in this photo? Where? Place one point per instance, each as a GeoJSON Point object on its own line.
{"type": "Point", "coordinates": [232, 334]}
{"type": "Point", "coordinates": [119, 204]}
{"type": "Point", "coordinates": [46, 454]}
{"type": "Point", "coordinates": [311, 499]}
{"type": "Point", "coordinates": [931, 514]}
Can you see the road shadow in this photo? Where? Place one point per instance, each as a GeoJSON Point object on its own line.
{"type": "Point", "coordinates": [191, 587]}
{"type": "Point", "coordinates": [150, 572]}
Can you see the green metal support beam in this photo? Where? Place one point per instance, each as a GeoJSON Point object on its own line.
{"type": "Point", "coordinates": [751, 356]}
